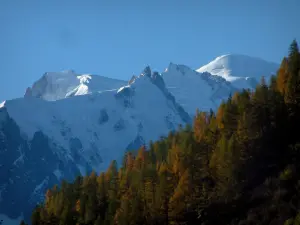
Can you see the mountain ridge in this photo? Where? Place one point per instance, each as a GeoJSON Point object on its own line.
{"type": "Point", "coordinates": [54, 86]}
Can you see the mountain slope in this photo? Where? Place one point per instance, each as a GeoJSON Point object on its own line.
{"type": "Point", "coordinates": [42, 142]}
{"type": "Point", "coordinates": [241, 70]}
{"type": "Point", "coordinates": [196, 90]}
{"type": "Point", "coordinates": [58, 85]}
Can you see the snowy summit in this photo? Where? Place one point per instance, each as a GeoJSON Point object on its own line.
{"type": "Point", "coordinates": [58, 85]}
{"type": "Point", "coordinates": [241, 70]}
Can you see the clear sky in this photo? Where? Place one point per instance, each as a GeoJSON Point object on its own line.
{"type": "Point", "coordinates": [118, 38]}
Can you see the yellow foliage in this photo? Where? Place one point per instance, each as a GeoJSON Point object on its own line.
{"type": "Point", "coordinates": [77, 205]}
{"type": "Point", "coordinates": [282, 76]}
{"type": "Point", "coordinates": [178, 201]}
{"type": "Point", "coordinates": [200, 124]}
{"type": "Point", "coordinates": [220, 115]}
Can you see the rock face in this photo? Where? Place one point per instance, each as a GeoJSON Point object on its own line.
{"type": "Point", "coordinates": [29, 166]}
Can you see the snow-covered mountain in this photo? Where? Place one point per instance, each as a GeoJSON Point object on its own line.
{"type": "Point", "coordinates": [44, 141]}
{"type": "Point", "coordinates": [58, 85]}
{"type": "Point", "coordinates": [194, 90]}
{"type": "Point", "coordinates": [69, 124]}
{"type": "Point", "coordinates": [240, 70]}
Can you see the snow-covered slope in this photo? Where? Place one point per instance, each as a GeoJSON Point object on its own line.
{"type": "Point", "coordinates": [58, 85]}
{"type": "Point", "coordinates": [194, 90]}
{"type": "Point", "coordinates": [141, 102]}
{"type": "Point", "coordinates": [44, 141]}
{"type": "Point", "coordinates": [241, 70]}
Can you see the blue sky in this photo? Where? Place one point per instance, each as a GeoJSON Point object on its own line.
{"type": "Point", "coordinates": [118, 38]}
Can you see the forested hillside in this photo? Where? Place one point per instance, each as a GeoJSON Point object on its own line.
{"type": "Point", "coordinates": [239, 165]}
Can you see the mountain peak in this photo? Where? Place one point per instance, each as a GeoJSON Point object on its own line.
{"type": "Point", "coordinates": [237, 56]}
{"type": "Point", "coordinates": [70, 71]}
{"type": "Point", "coordinates": [146, 71]}
{"type": "Point", "coordinates": [54, 86]}
{"type": "Point", "coordinates": [189, 86]}
{"type": "Point", "coordinates": [240, 69]}
{"type": "Point", "coordinates": [177, 68]}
